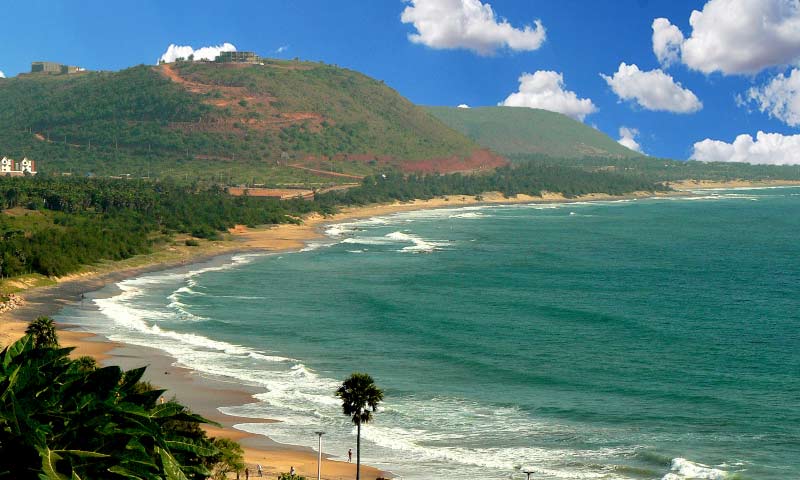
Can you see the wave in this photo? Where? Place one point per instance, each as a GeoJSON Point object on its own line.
{"type": "Point", "coordinates": [684, 469]}
{"type": "Point", "coordinates": [420, 245]}
{"type": "Point", "coordinates": [469, 215]}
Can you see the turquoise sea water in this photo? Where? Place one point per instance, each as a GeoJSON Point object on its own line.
{"type": "Point", "coordinates": [648, 339]}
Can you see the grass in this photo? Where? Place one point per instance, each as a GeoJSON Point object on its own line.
{"type": "Point", "coordinates": [518, 130]}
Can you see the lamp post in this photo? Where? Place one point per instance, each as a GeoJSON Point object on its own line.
{"type": "Point", "coordinates": [528, 473]}
{"type": "Point", "coordinates": [319, 459]}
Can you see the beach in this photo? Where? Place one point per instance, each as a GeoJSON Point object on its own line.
{"type": "Point", "coordinates": [201, 393]}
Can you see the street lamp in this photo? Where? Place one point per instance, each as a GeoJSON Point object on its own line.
{"type": "Point", "coordinates": [319, 460]}
{"type": "Point", "coordinates": [528, 473]}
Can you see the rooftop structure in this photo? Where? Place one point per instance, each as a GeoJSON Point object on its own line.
{"type": "Point", "coordinates": [238, 57]}
{"type": "Point", "coordinates": [54, 68]}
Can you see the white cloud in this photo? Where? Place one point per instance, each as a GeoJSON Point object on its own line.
{"type": "Point", "coordinates": [468, 24]}
{"type": "Point", "coordinates": [740, 36]}
{"type": "Point", "coordinates": [627, 138]}
{"type": "Point", "coordinates": [653, 90]}
{"type": "Point", "coordinates": [2, 75]}
{"type": "Point", "coordinates": [667, 42]}
{"type": "Point", "coordinates": [175, 52]}
{"type": "Point", "coordinates": [780, 98]}
{"type": "Point", "coordinates": [463, 105]}
{"type": "Point", "coordinates": [281, 49]}
{"type": "Point", "coordinates": [768, 148]}
{"type": "Point", "coordinates": [545, 89]}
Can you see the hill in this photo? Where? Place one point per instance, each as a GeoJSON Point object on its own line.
{"type": "Point", "coordinates": [518, 130]}
{"type": "Point", "coordinates": [207, 120]}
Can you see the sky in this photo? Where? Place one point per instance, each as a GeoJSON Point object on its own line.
{"type": "Point", "coordinates": [707, 79]}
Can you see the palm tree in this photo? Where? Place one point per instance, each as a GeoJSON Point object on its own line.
{"type": "Point", "coordinates": [360, 397]}
{"type": "Point", "coordinates": [43, 331]}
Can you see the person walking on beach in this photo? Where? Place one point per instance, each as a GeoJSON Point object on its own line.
{"type": "Point", "coordinates": [246, 474]}
{"type": "Point", "coordinates": [291, 471]}
{"type": "Point", "coordinates": [349, 455]}
{"type": "Point", "coordinates": [258, 469]}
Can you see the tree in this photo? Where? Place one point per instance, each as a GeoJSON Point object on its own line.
{"type": "Point", "coordinates": [59, 420]}
{"type": "Point", "coordinates": [229, 459]}
{"type": "Point", "coordinates": [43, 331]}
{"type": "Point", "coordinates": [360, 398]}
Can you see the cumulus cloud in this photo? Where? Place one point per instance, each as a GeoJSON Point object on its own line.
{"type": "Point", "coordinates": [767, 148]}
{"type": "Point", "coordinates": [175, 52]}
{"type": "Point", "coordinates": [737, 36]}
{"type": "Point", "coordinates": [545, 89]}
{"type": "Point", "coordinates": [463, 105]}
{"type": "Point", "coordinates": [667, 42]}
{"type": "Point", "coordinates": [780, 98]}
{"type": "Point", "coordinates": [2, 75]}
{"type": "Point", "coordinates": [468, 24]}
{"type": "Point", "coordinates": [653, 90]}
{"type": "Point", "coordinates": [627, 138]}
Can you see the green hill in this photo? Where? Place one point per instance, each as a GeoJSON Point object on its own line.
{"type": "Point", "coordinates": [518, 130]}
{"type": "Point", "coordinates": [205, 120]}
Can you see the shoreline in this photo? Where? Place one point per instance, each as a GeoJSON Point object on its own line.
{"type": "Point", "coordinates": [205, 394]}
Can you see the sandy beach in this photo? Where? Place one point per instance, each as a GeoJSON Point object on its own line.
{"type": "Point", "coordinates": [201, 393]}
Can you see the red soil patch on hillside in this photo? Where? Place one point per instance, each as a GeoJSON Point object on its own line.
{"type": "Point", "coordinates": [480, 160]}
{"type": "Point", "coordinates": [246, 108]}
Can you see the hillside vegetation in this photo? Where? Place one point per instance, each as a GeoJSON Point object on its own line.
{"type": "Point", "coordinates": [519, 130]}
{"type": "Point", "coordinates": [247, 122]}
{"type": "Point", "coordinates": [652, 169]}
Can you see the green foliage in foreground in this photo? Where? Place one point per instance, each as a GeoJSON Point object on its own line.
{"type": "Point", "coordinates": [65, 419]}
{"type": "Point", "coordinates": [289, 476]}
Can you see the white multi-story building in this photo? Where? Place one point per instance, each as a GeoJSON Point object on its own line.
{"type": "Point", "coordinates": [14, 169]}
{"type": "Point", "coordinates": [6, 165]}
{"type": "Point", "coordinates": [27, 166]}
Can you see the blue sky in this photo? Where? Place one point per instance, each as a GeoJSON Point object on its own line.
{"type": "Point", "coordinates": [583, 39]}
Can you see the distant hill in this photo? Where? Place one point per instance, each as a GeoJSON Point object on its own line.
{"type": "Point", "coordinates": [207, 120]}
{"type": "Point", "coordinates": [519, 130]}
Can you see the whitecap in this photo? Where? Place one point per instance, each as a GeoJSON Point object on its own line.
{"type": "Point", "coordinates": [682, 468]}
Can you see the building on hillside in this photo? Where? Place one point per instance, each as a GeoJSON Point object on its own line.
{"type": "Point", "coordinates": [54, 68]}
{"type": "Point", "coordinates": [10, 168]}
{"type": "Point", "coordinates": [238, 57]}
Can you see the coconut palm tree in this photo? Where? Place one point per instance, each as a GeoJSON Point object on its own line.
{"type": "Point", "coordinates": [360, 398]}
{"type": "Point", "coordinates": [43, 331]}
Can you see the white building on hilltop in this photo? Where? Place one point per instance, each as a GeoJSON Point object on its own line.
{"type": "Point", "coordinates": [10, 168]}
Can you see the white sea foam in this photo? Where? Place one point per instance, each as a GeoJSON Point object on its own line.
{"type": "Point", "coordinates": [337, 230]}
{"type": "Point", "coordinates": [367, 241]}
{"type": "Point", "coordinates": [420, 245]}
{"type": "Point", "coordinates": [682, 469]}
{"type": "Point", "coordinates": [469, 215]}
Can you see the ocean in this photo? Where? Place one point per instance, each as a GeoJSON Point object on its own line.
{"type": "Point", "coordinates": [634, 339]}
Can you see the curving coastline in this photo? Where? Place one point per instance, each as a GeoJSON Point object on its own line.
{"type": "Point", "coordinates": [203, 394]}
